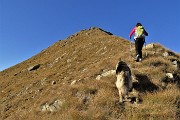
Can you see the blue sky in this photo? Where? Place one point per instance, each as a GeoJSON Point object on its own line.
{"type": "Point", "coordinates": [29, 26]}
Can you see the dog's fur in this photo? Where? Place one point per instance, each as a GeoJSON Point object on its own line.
{"type": "Point", "coordinates": [124, 80]}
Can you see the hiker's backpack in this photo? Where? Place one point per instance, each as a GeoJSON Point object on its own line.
{"type": "Point", "coordinates": [140, 31]}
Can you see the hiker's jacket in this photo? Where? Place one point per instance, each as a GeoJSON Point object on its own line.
{"type": "Point", "coordinates": [135, 33]}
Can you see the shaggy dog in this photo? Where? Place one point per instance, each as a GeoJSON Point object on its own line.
{"type": "Point", "coordinates": [124, 80]}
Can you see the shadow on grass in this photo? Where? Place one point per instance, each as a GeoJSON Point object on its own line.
{"type": "Point", "coordinates": [144, 84]}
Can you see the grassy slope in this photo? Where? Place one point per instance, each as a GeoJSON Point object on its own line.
{"type": "Point", "coordinates": [82, 57]}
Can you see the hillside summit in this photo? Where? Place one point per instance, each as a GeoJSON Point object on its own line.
{"type": "Point", "coordinates": [74, 79]}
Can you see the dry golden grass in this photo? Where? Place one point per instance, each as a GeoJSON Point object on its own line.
{"type": "Point", "coordinates": [80, 59]}
{"type": "Point", "coordinates": [158, 105]}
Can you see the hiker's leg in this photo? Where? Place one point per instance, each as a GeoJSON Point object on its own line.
{"type": "Point", "coordinates": [137, 49]}
{"type": "Point", "coordinates": [136, 46]}
{"type": "Point", "coordinates": [141, 43]}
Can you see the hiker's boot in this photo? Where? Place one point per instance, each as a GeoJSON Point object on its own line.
{"type": "Point", "coordinates": [137, 58]}
{"type": "Point", "coordinates": [140, 59]}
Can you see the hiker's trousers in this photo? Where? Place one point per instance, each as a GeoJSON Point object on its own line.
{"type": "Point", "coordinates": [139, 42]}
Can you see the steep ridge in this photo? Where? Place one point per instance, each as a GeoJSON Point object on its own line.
{"type": "Point", "coordinates": [61, 82]}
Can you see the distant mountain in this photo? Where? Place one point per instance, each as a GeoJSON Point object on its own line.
{"type": "Point", "coordinates": [74, 80]}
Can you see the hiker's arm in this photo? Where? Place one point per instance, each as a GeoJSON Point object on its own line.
{"type": "Point", "coordinates": [132, 32]}
{"type": "Point", "coordinates": [145, 33]}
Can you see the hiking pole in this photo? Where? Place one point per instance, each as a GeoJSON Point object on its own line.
{"type": "Point", "coordinates": [145, 48]}
{"type": "Point", "coordinates": [130, 50]}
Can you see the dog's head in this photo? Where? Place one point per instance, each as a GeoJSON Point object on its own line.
{"type": "Point", "coordinates": [122, 66]}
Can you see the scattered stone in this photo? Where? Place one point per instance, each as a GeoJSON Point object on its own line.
{"type": "Point", "coordinates": [166, 80]}
{"type": "Point", "coordinates": [165, 54]}
{"type": "Point", "coordinates": [57, 104]}
{"type": "Point", "coordinates": [69, 60]}
{"type": "Point", "coordinates": [168, 53]}
{"type": "Point", "coordinates": [35, 67]}
{"type": "Point", "coordinates": [169, 75]}
{"type": "Point", "coordinates": [54, 106]}
{"type": "Point", "coordinates": [16, 74]}
{"type": "Point", "coordinates": [57, 60]}
{"type": "Point", "coordinates": [53, 82]}
{"type": "Point", "coordinates": [109, 73]}
{"type": "Point", "coordinates": [176, 63]}
{"type": "Point", "coordinates": [150, 46]}
{"type": "Point", "coordinates": [73, 82]}
{"type": "Point", "coordinates": [106, 74]}
{"type": "Point", "coordinates": [173, 78]}
{"type": "Point", "coordinates": [98, 77]}
{"type": "Point", "coordinates": [45, 107]}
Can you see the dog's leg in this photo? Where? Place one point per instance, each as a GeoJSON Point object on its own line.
{"type": "Point", "coordinates": [128, 98]}
{"type": "Point", "coordinates": [130, 84]}
{"type": "Point", "coordinates": [120, 96]}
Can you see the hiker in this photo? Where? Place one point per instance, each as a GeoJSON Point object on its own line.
{"type": "Point", "coordinates": [139, 38]}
